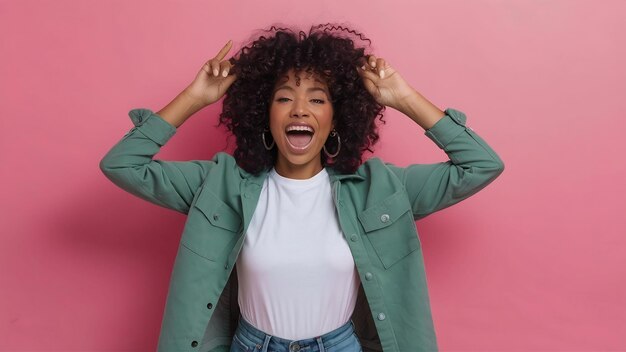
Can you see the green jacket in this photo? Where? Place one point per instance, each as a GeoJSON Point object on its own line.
{"type": "Point", "coordinates": [377, 208]}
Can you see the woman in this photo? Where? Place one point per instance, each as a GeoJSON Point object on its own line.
{"type": "Point", "coordinates": [295, 243]}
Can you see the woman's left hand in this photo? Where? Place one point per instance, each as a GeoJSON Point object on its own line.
{"type": "Point", "coordinates": [384, 83]}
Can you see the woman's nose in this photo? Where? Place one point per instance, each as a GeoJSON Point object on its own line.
{"type": "Point", "coordinates": [299, 109]}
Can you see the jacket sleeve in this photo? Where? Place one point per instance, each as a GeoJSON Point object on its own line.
{"type": "Point", "coordinates": [472, 166]}
{"type": "Point", "coordinates": [130, 165]}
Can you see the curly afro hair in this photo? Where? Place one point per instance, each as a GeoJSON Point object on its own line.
{"type": "Point", "coordinates": [329, 52]}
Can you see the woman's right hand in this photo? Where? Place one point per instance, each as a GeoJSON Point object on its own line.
{"type": "Point", "coordinates": [213, 79]}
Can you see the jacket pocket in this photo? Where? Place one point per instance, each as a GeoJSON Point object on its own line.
{"type": "Point", "coordinates": [211, 226]}
{"type": "Point", "coordinates": [390, 228]}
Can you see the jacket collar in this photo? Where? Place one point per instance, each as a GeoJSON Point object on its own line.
{"type": "Point", "coordinates": [336, 176]}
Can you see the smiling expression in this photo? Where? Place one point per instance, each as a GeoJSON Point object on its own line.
{"type": "Point", "coordinates": [301, 118]}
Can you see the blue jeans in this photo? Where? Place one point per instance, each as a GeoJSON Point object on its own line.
{"type": "Point", "coordinates": [247, 338]}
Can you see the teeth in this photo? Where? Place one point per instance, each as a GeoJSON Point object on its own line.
{"type": "Point", "coordinates": [300, 128]}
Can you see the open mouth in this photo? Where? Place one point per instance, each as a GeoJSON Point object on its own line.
{"type": "Point", "coordinates": [299, 136]}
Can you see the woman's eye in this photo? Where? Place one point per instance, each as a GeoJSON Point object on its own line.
{"type": "Point", "coordinates": [318, 101]}
{"type": "Point", "coordinates": [282, 99]}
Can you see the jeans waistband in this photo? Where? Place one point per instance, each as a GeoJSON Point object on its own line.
{"type": "Point", "coordinates": [327, 340]}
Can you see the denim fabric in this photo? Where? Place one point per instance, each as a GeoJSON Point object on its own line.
{"type": "Point", "coordinates": [247, 338]}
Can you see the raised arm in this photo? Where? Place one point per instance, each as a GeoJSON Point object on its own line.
{"type": "Point", "coordinates": [473, 163]}
{"type": "Point", "coordinates": [172, 184]}
{"type": "Point", "coordinates": [472, 166]}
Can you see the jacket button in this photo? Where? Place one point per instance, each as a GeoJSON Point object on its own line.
{"type": "Point", "coordinates": [384, 217]}
{"type": "Point", "coordinates": [368, 276]}
{"type": "Point", "coordinates": [381, 316]}
{"type": "Point", "coordinates": [226, 266]}
{"type": "Point", "coordinates": [354, 237]}
{"type": "Point", "coordinates": [216, 216]}
{"type": "Point", "coordinates": [210, 305]}
{"type": "Point", "coordinates": [194, 343]}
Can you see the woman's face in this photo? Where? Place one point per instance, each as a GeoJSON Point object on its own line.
{"type": "Point", "coordinates": [301, 118]}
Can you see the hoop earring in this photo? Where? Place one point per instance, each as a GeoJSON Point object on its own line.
{"type": "Point", "coordinates": [333, 133]}
{"type": "Point", "coordinates": [264, 142]}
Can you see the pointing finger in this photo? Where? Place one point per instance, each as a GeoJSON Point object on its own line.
{"type": "Point", "coordinates": [222, 53]}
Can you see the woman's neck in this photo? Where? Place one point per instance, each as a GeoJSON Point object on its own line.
{"type": "Point", "coordinates": [299, 172]}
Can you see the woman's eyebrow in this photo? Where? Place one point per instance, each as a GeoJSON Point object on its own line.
{"type": "Point", "coordinates": [308, 89]}
{"type": "Point", "coordinates": [282, 87]}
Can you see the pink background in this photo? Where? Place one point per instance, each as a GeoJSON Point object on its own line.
{"type": "Point", "coordinates": [536, 261]}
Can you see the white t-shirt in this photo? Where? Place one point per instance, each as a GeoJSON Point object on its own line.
{"type": "Point", "coordinates": [297, 278]}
